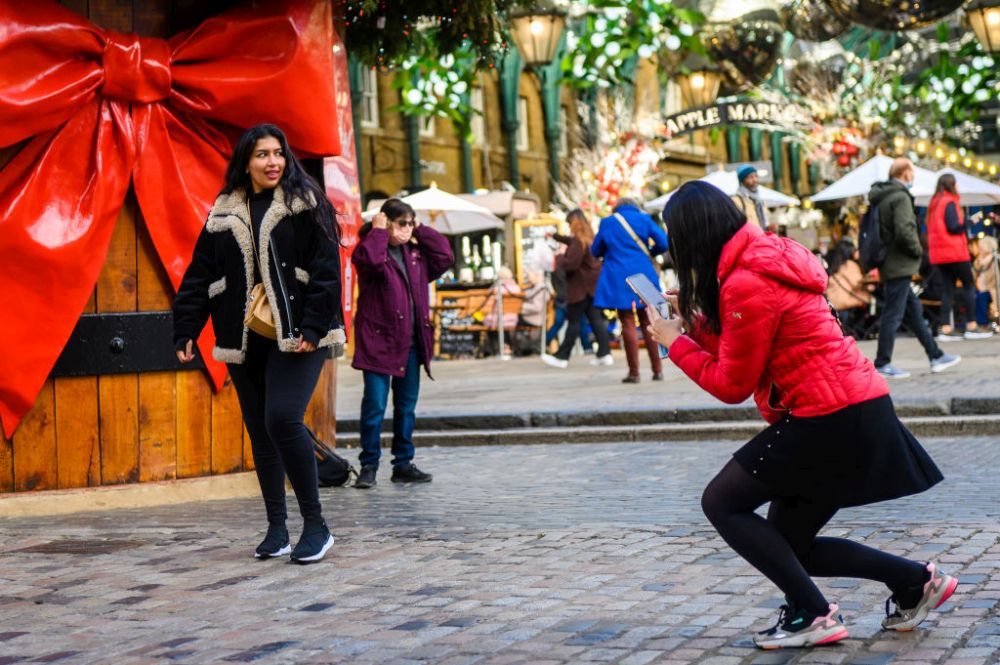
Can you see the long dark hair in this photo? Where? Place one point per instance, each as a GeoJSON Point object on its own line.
{"type": "Point", "coordinates": [946, 183]}
{"type": "Point", "coordinates": [842, 252]}
{"type": "Point", "coordinates": [700, 220]}
{"type": "Point", "coordinates": [295, 182]}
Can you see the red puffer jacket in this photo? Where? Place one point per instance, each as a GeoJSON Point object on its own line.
{"type": "Point", "coordinates": [779, 340]}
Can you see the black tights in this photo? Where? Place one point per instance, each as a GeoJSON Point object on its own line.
{"type": "Point", "coordinates": [785, 548]}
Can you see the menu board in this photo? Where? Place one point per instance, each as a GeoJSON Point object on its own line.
{"type": "Point", "coordinates": [455, 344]}
{"type": "Point", "coordinates": [532, 250]}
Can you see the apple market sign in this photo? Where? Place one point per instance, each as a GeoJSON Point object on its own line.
{"type": "Point", "coordinates": [768, 115]}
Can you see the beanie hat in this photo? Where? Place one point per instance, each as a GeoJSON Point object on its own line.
{"type": "Point", "coordinates": [744, 171]}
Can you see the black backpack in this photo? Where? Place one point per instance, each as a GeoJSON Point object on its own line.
{"type": "Point", "coordinates": [871, 249]}
{"type": "Point", "coordinates": [333, 470]}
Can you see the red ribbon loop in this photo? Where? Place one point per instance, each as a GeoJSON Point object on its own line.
{"type": "Point", "coordinates": [136, 69]}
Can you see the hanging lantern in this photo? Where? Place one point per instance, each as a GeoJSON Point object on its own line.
{"type": "Point", "coordinates": [984, 17]}
{"type": "Point", "coordinates": [812, 20]}
{"type": "Point", "coordinates": [744, 38]}
{"type": "Point", "coordinates": [700, 86]}
{"type": "Point", "coordinates": [894, 15]}
{"type": "Point", "coordinates": [536, 31]}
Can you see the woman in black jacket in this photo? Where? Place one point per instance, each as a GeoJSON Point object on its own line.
{"type": "Point", "coordinates": [272, 224]}
{"type": "Point", "coordinates": [582, 270]}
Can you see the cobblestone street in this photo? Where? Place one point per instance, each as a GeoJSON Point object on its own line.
{"type": "Point", "coordinates": [528, 554]}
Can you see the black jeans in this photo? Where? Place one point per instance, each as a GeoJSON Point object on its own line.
{"type": "Point", "coordinates": [950, 272]}
{"type": "Point", "coordinates": [274, 388]}
{"type": "Point", "coordinates": [901, 305]}
{"type": "Point", "coordinates": [574, 313]}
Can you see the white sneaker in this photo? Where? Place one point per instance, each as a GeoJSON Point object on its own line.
{"type": "Point", "coordinates": [978, 334]}
{"type": "Point", "coordinates": [799, 631]}
{"type": "Point", "coordinates": [937, 590]}
{"type": "Point", "coordinates": [602, 361]}
{"type": "Point", "coordinates": [552, 361]}
{"type": "Point", "coordinates": [949, 337]}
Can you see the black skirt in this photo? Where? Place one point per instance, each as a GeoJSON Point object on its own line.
{"type": "Point", "coordinates": [858, 455]}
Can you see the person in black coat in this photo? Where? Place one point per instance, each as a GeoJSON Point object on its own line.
{"type": "Point", "coordinates": [272, 224]}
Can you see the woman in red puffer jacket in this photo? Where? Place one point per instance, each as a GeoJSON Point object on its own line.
{"type": "Point", "coordinates": [760, 325]}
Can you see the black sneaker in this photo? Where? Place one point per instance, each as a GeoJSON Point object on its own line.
{"type": "Point", "coordinates": [409, 473]}
{"type": "Point", "coordinates": [275, 543]}
{"type": "Point", "coordinates": [801, 629]}
{"type": "Point", "coordinates": [366, 478]}
{"type": "Point", "coordinates": [315, 542]}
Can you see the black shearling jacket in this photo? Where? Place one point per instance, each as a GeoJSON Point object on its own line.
{"type": "Point", "coordinates": [300, 268]}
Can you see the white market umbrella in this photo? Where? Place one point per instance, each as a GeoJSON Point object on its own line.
{"type": "Point", "coordinates": [859, 181]}
{"type": "Point", "coordinates": [447, 213]}
{"type": "Point", "coordinates": [972, 191]}
{"type": "Point", "coordinates": [729, 184]}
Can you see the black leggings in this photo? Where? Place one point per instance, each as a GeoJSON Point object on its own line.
{"type": "Point", "coordinates": [274, 388]}
{"type": "Point", "coordinates": [950, 273]}
{"type": "Point", "coordinates": [785, 548]}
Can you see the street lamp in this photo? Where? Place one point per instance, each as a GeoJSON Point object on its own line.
{"type": "Point", "coordinates": [536, 32]}
{"type": "Point", "coordinates": [700, 84]}
{"type": "Point", "coordinates": [984, 17]}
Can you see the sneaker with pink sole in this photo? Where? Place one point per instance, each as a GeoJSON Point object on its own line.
{"type": "Point", "coordinates": [803, 629]}
{"type": "Point", "coordinates": [937, 590]}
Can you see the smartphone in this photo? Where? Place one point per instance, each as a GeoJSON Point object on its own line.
{"type": "Point", "coordinates": [651, 296]}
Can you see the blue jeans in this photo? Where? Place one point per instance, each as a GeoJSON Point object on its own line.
{"type": "Point", "coordinates": [405, 391]}
{"type": "Point", "coordinates": [560, 319]}
{"type": "Point", "coordinates": [901, 305]}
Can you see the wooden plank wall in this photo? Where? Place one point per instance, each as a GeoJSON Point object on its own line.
{"type": "Point", "coordinates": [104, 430]}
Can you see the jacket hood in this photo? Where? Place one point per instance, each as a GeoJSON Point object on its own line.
{"type": "Point", "coordinates": [772, 256]}
{"type": "Point", "coordinates": [881, 190]}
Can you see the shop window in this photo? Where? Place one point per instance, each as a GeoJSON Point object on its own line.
{"type": "Point", "coordinates": [427, 126]}
{"type": "Point", "coordinates": [369, 98]}
{"type": "Point", "coordinates": [478, 118]}
{"type": "Point", "coordinates": [522, 128]}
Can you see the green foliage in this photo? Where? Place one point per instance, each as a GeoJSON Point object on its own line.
{"type": "Point", "coordinates": [614, 32]}
{"type": "Point", "coordinates": [384, 32]}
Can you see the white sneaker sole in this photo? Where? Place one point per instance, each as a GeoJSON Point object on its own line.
{"type": "Point", "coordinates": [287, 549]}
{"type": "Point", "coordinates": [804, 639]}
{"type": "Point", "coordinates": [319, 555]}
{"type": "Point", "coordinates": [940, 367]}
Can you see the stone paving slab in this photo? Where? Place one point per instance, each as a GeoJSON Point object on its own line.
{"type": "Point", "coordinates": [514, 554]}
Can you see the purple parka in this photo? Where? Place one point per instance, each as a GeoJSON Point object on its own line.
{"type": "Point", "coordinates": [382, 321]}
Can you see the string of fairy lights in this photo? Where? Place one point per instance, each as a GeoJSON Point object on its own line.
{"type": "Point", "coordinates": [958, 158]}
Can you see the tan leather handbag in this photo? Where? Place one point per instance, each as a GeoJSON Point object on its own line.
{"type": "Point", "coordinates": [259, 317]}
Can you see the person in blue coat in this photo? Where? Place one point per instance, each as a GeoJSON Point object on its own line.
{"type": "Point", "coordinates": [626, 255]}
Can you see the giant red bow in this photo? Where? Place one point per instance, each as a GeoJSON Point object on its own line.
{"type": "Point", "coordinates": [97, 109]}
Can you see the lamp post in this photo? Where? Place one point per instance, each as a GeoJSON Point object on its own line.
{"type": "Point", "coordinates": [538, 33]}
{"type": "Point", "coordinates": [984, 17]}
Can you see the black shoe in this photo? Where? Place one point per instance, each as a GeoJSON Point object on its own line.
{"type": "Point", "coordinates": [631, 378]}
{"type": "Point", "coordinates": [366, 478]}
{"type": "Point", "coordinates": [657, 376]}
{"type": "Point", "coordinates": [275, 543]}
{"type": "Point", "coordinates": [409, 473]}
{"type": "Point", "coordinates": [315, 542]}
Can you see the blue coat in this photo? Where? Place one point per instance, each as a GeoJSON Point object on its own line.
{"type": "Point", "coordinates": [623, 257]}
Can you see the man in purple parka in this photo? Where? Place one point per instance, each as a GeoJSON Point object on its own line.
{"type": "Point", "coordinates": [393, 335]}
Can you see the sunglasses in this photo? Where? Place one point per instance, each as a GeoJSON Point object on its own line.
{"type": "Point", "coordinates": [405, 223]}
